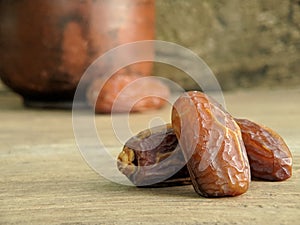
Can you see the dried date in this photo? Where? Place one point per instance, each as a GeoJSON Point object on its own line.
{"type": "Point", "coordinates": [268, 154]}
{"type": "Point", "coordinates": [212, 145]}
{"type": "Point", "coordinates": [219, 151]}
{"type": "Point", "coordinates": [154, 158]}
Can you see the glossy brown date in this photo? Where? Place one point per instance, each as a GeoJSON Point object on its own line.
{"type": "Point", "coordinates": [154, 158]}
{"type": "Point", "coordinates": [212, 145]}
{"type": "Point", "coordinates": [268, 154]}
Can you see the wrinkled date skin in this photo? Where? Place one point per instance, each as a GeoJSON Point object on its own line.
{"type": "Point", "coordinates": [127, 93]}
{"type": "Point", "coordinates": [268, 154]}
{"type": "Point", "coordinates": [154, 158]}
{"type": "Point", "coordinates": [212, 145]}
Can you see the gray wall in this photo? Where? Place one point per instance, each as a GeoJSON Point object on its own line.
{"type": "Point", "coordinates": [247, 43]}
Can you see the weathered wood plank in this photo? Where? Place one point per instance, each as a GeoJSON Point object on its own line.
{"type": "Point", "coordinates": [44, 179]}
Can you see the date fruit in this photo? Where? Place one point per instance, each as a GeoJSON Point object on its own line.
{"type": "Point", "coordinates": [212, 145]}
{"type": "Point", "coordinates": [127, 93]}
{"type": "Point", "coordinates": [268, 154]}
{"type": "Point", "coordinates": [154, 158]}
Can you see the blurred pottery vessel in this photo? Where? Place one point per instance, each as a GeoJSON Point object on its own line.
{"type": "Point", "coordinates": [47, 45]}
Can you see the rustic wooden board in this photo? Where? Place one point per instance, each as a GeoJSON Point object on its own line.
{"type": "Point", "coordinates": [44, 179]}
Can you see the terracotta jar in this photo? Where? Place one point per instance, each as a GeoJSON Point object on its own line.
{"type": "Point", "coordinates": [47, 45]}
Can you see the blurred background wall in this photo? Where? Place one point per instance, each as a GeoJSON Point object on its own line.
{"type": "Point", "coordinates": [246, 43]}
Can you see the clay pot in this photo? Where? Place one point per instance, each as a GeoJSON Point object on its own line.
{"type": "Point", "coordinates": [47, 45]}
{"type": "Point", "coordinates": [124, 93]}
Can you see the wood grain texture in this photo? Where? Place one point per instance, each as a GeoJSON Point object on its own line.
{"type": "Point", "coordinates": [44, 179]}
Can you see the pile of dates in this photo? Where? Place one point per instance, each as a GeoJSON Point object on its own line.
{"type": "Point", "coordinates": [207, 147]}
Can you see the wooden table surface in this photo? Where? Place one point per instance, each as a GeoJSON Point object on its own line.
{"type": "Point", "coordinates": [45, 180]}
